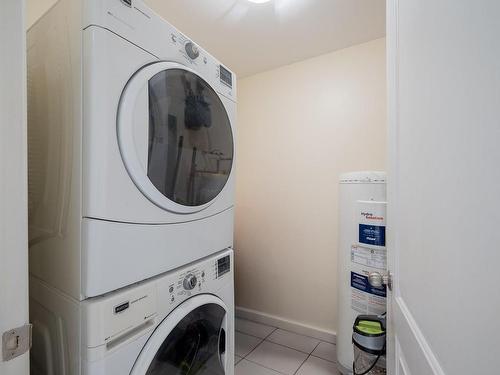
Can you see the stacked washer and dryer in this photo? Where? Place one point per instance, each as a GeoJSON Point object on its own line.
{"type": "Point", "coordinates": [131, 183]}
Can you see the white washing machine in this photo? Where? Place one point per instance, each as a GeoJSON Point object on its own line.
{"type": "Point", "coordinates": [131, 147]}
{"type": "Point", "coordinates": [178, 323]}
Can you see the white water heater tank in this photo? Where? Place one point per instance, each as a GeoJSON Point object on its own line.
{"type": "Point", "coordinates": [362, 209]}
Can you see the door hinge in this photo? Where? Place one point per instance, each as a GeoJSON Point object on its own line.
{"type": "Point", "coordinates": [16, 342]}
{"type": "Point", "coordinates": [376, 279]}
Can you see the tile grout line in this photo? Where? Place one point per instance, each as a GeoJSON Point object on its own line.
{"type": "Point", "coordinates": [324, 359]}
{"type": "Point", "coordinates": [302, 364]}
{"type": "Point", "coordinates": [286, 330]}
{"type": "Point", "coordinates": [256, 346]}
{"type": "Point", "coordinates": [289, 347]}
{"type": "Point", "coordinates": [259, 344]}
{"type": "Point", "coordinates": [286, 346]}
{"type": "Point", "coordinates": [266, 339]}
{"type": "Point", "coordinates": [257, 337]}
{"type": "Point", "coordinates": [274, 330]}
{"type": "Point", "coordinates": [261, 365]}
{"type": "Point", "coordinates": [305, 360]}
{"type": "Point", "coordinates": [300, 334]}
{"type": "Point", "coordinates": [281, 329]}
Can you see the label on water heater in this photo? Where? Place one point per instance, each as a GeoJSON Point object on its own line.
{"type": "Point", "coordinates": [365, 298]}
{"type": "Point", "coordinates": [368, 255]}
{"type": "Point", "coordinates": [372, 234]}
{"type": "Point", "coordinates": [360, 282]}
{"type": "Point", "coordinates": [371, 223]}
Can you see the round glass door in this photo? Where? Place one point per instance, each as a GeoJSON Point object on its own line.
{"type": "Point", "coordinates": [195, 346]}
{"type": "Point", "coordinates": [175, 137]}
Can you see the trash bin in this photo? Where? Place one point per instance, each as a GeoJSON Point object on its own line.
{"type": "Point", "coordinates": [369, 340]}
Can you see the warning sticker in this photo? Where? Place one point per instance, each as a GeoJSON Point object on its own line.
{"type": "Point", "coordinates": [360, 282]}
{"type": "Point", "coordinates": [367, 304]}
{"type": "Point", "coordinates": [365, 298]}
{"type": "Point", "coordinates": [369, 257]}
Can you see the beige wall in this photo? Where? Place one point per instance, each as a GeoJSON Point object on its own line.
{"type": "Point", "coordinates": [35, 9]}
{"type": "Point", "coordinates": [299, 127]}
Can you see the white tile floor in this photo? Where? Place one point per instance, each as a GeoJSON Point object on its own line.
{"type": "Point", "coordinates": [265, 350]}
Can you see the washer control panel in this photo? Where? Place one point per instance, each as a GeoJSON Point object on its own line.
{"type": "Point", "coordinates": [111, 317]}
{"type": "Point", "coordinates": [199, 278]}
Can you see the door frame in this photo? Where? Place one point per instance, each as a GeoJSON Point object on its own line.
{"type": "Point", "coordinates": [14, 187]}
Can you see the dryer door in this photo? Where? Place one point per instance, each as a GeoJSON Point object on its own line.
{"type": "Point", "coordinates": [190, 341]}
{"type": "Point", "coordinates": [175, 137]}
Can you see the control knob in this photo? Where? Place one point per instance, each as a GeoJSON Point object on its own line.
{"type": "Point", "coordinates": [190, 282]}
{"type": "Point", "coordinates": [192, 50]}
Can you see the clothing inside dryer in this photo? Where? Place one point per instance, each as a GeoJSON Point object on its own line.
{"type": "Point", "coordinates": [190, 152]}
{"type": "Point", "coordinates": [195, 346]}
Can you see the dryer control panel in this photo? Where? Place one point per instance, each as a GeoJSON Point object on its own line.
{"type": "Point", "coordinates": [202, 62]}
{"type": "Point", "coordinates": [137, 23]}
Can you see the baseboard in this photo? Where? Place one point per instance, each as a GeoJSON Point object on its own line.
{"type": "Point", "coordinates": [286, 324]}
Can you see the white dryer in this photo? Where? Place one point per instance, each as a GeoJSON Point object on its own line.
{"type": "Point", "coordinates": [178, 323]}
{"type": "Point", "coordinates": [131, 144]}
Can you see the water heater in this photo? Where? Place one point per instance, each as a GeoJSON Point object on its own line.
{"type": "Point", "coordinates": [362, 209]}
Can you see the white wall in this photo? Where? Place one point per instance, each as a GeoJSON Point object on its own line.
{"type": "Point", "coordinates": [299, 127]}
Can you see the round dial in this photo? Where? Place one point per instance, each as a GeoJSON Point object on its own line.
{"type": "Point", "coordinates": [190, 282]}
{"type": "Point", "coordinates": [192, 50]}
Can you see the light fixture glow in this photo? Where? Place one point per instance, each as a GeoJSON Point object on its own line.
{"type": "Point", "coordinates": [259, 1]}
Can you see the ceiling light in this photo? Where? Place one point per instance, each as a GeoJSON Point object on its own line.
{"type": "Point", "coordinates": [259, 1]}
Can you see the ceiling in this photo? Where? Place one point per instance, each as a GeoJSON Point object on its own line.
{"type": "Point", "coordinates": [251, 38]}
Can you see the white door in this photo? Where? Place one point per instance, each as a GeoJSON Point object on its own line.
{"type": "Point", "coordinates": [444, 186]}
{"type": "Point", "coordinates": [13, 191]}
